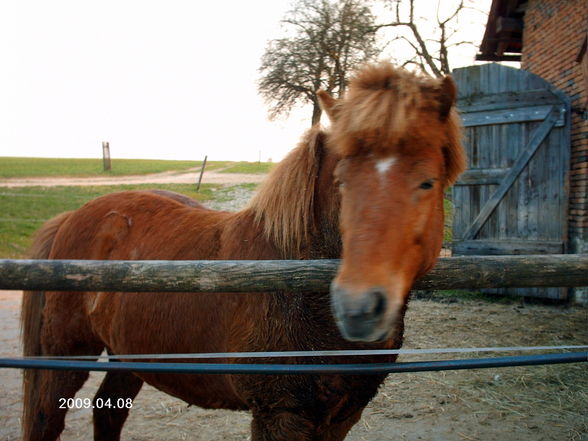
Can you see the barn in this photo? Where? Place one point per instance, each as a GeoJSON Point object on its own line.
{"type": "Point", "coordinates": [526, 188]}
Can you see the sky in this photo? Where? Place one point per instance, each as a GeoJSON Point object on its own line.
{"type": "Point", "coordinates": [173, 79]}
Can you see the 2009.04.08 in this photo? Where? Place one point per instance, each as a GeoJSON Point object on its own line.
{"type": "Point", "coordinates": [99, 403]}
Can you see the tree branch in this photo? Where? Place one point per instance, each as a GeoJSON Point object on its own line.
{"type": "Point", "coordinates": [434, 53]}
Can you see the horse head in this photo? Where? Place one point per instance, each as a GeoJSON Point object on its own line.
{"type": "Point", "coordinates": [398, 135]}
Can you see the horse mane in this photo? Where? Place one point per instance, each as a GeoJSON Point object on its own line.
{"type": "Point", "coordinates": [383, 103]}
{"type": "Point", "coordinates": [284, 205]}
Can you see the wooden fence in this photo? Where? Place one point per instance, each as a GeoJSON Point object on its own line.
{"type": "Point", "coordinates": [282, 275]}
{"type": "Point", "coordinates": [471, 272]}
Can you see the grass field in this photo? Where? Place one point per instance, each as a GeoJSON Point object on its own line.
{"type": "Point", "coordinates": [248, 168]}
{"type": "Point", "coordinates": [11, 167]}
{"type": "Point", "coordinates": [37, 167]}
{"type": "Point", "coordinates": [25, 209]}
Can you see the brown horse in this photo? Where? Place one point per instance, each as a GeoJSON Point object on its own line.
{"type": "Point", "coordinates": [394, 133]}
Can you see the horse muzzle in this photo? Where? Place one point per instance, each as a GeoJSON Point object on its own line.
{"type": "Point", "coordinates": [366, 316]}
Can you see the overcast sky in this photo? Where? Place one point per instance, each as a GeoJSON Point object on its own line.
{"type": "Point", "coordinates": [171, 79]}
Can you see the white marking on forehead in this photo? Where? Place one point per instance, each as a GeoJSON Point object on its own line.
{"type": "Point", "coordinates": [383, 165]}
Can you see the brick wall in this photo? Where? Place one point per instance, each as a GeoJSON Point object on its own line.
{"type": "Point", "coordinates": [554, 32]}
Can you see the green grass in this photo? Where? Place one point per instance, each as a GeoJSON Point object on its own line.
{"type": "Point", "coordinates": [248, 167]}
{"type": "Point", "coordinates": [23, 210]}
{"type": "Point", "coordinates": [11, 167]}
{"type": "Point", "coordinates": [40, 167]}
{"type": "Point", "coordinates": [448, 227]}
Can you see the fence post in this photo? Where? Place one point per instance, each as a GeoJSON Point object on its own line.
{"type": "Point", "coordinates": [201, 173]}
{"type": "Point", "coordinates": [106, 155]}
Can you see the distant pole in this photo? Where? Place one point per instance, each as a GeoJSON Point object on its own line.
{"type": "Point", "coordinates": [106, 155]}
{"type": "Point", "coordinates": [201, 173]}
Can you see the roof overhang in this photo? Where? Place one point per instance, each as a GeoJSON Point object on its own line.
{"type": "Point", "coordinates": [503, 38]}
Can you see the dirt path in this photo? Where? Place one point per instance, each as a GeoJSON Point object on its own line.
{"type": "Point", "coordinates": [210, 177]}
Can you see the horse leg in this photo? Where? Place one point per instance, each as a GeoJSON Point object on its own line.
{"type": "Point", "coordinates": [338, 431]}
{"type": "Point", "coordinates": [281, 425]}
{"type": "Point", "coordinates": [62, 331]}
{"type": "Point", "coordinates": [55, 387]}
{"type": "Point", "coordinates": [290, 426]}
{"type": "Point", "coordinates": [112, 404]}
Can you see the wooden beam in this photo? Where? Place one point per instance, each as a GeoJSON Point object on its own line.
{"type": "Point", "coordinates": [494, 57]}
{"type": "Point", "coordinates": [507, 100]}
{"type": "Point", "coordinates": [483, 176]}
{"type": "Point", "coordinates": [508, 116]}
{"type": "Point", "coordinates": [499, 247]}
{"type": "Point", "coordinates": [279, 275]}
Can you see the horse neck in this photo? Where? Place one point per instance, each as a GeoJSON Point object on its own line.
{"type": "Point", "coordinates": [297, 207]}
{"type": "Point", "coordinates": [245, 237]}
{"type": "Point", "coordinates": [325, 242]}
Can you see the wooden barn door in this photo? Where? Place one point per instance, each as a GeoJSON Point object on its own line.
{"type": "Point", "coordinates": [513, 198]}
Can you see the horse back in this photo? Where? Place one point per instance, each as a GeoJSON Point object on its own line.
{"type": "Point", "coordinates": [138, 225]}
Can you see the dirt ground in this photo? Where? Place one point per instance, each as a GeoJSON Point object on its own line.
{"type": "Point", "coordinates": [191, 177]}
{"type": "Point", "coordinates": [543, 403]}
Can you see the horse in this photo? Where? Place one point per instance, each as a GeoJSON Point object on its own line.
{"type": "Point", "coordinates": [369, 190]}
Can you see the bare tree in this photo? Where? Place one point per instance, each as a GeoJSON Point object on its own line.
{"type": "Point", "coordinates": [328, 39]}
{"type": "Point", "coordinates": [431, 43]}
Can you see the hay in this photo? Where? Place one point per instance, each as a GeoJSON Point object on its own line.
{"type": "Point", "coordinates": [530, 397]}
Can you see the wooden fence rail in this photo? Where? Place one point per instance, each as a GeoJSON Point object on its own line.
{"type": "Point", "coordinates": [270, 275]}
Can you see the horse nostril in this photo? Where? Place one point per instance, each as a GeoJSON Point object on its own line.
{"type": "Point", "coordinates": [368, 306]}
{"type": "Point", "coordinates": [375, 303]}
{"type": "Point", "coordinates": [359, 315]}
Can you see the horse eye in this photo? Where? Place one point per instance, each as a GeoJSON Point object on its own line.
{"type": "Point", "coordinates": [427, 185]}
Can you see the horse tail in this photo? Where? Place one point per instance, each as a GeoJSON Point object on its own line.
{"type": "Point", "coordinates": [31, 317]}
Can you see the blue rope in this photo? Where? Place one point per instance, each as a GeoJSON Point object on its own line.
{"type": "Point", "coordinates": [291, 369]}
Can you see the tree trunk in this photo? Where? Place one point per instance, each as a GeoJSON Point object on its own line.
{"type": "Point", "coordinates": [316, 113]}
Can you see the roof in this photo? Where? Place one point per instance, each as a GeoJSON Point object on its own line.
{"type": "Point", "coordinates": [503, 38]}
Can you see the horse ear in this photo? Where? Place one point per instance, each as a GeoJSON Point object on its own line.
{"type": "Point", "coordinates": [327, 103]}
{"type": "Point", "coordinates": [446, 96]}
